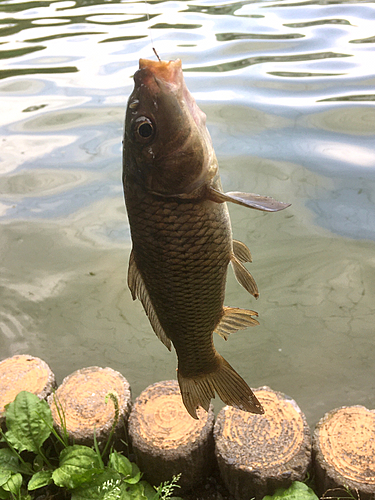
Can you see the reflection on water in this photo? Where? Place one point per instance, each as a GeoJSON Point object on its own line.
{"type": "Point", "coordinates": [288, 93]}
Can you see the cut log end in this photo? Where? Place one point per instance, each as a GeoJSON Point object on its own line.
{"type": "Point", "coordinates": [84, 399]}
{"type": "Point", "coordinates": [24, 373]}
{"type": "Point", "coordinates": [166, 441]}
{"type": "Point", "coordinates": [259, 453]}
{"type": "Point", "coordinates": [344, 451]}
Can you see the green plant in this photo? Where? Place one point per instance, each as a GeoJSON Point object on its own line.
{"type": "Point", "coordinates": [35, 456]}
{"type": "Point", "coordinates": [343, 493]}
{"type": "Point", "coordinates": [296, 491]}
{"type": "Point", "coordinates": [165, 490]}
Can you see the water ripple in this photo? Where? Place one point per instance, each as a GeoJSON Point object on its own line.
{"type": "Point", "coordinates": [320, 22]}
{"type": "Point", "coordinates": [217, 10]}
{"type": "Point", "coordinates": [357, 98]}
{"type": "Point", "coordinates": [59, 36]}
{"type": "Point", "coordinates": [249, 61]}
{"type": "Point", "coordinates": [371, 39]}
{"type": "Point", "coordinates": [225, 37]}
{"type": "Point", "coordinates": [9, 54]}
{"type": "Point", "coordinates": [7, 73]}
{"type": "Point", "coordinates": [288, 89]}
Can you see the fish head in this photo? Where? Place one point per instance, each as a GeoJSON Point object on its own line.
{"type": "Point", "coordinates": [167, 147]}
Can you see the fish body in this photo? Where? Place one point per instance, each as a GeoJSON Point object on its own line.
{"type": "Point", "coordinates": [181, 234]}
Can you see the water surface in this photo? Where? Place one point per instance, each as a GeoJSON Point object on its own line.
{"type": "Point", "coordinates": [288, 89]}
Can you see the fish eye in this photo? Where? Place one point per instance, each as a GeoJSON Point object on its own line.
{"type": "Point", "coordinates": [144, 129]}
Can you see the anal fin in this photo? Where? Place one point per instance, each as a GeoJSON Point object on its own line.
{"type": "Point", "coordinates": [139, 291]}
{"type": "Point", "coordinates": [243, 276]}
{"type": "Point", "coordinates": [235, 319]}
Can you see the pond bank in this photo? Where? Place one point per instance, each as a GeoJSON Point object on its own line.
{"type": "Point", "coordinates": [256, 453]}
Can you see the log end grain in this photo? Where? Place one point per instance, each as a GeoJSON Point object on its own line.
{"type": "Point", "coordinates": [83, 400]}
{"type": "Point", "coordinates": [344, 451]}
{"type": "Point", "coordinates": [24, 373]}
{"type": "Point", "coordinates": [259, 453]}
{"type": "Point", "coordinates": [166, 440]}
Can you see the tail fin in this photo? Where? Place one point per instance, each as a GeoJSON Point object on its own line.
{"type": "Point", "coordinates": [231, 388]}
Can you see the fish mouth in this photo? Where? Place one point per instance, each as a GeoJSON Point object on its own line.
{"type": "Point", "coordinates": [168, 71]}
{"type": "Point", "coordinates": [160, 76]}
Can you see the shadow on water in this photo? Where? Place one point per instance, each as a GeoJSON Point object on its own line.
{"type": "Point", "coordinates": [288, 93]}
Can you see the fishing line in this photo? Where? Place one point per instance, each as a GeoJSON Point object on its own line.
{"type": "Point", "coordinates": [150, 32]}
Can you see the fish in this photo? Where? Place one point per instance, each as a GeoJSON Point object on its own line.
{"type": "Point", "coordinates": [181, 234]}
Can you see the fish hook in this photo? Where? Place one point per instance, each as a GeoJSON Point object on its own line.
{"type": "Point", "coordinates": [157, 55]}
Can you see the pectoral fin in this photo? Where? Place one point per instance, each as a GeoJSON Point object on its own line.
{"type": "Point", "coordinates": [250, 200]}
{"type": "Point", "coordinates": [139, 291]}
{"type": "Point", "coordinates": [243, 276]}
{"type": "Point", "coordinates": [235, 319]}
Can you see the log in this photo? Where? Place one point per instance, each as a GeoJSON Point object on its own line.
{"type": "Point", "coordinates": [24, 373]}
{"type": "Point", "coordinates": [344, 452]}
{"type": "Point", "coordinates": [257, 454]}
{"type": "Point", "coordinates": [167, 441]}
{"type": "Point", "coordinates": [83, 400]}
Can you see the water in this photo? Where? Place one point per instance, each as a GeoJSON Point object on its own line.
{"type": "Point", "coordinates": [287, 87]}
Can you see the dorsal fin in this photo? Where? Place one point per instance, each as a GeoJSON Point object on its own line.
{"type": "Point", "coordinates": [139, 291]}
{"type": "Point", "coordinates": [235, 319]}
{"type": "Point", "coordinates": [243, 276]}
{"type": "Point", "coordinates": [241, 251]}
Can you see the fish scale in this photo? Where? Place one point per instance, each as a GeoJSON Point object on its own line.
{"type": "Point", "coordinates": [164, 262]}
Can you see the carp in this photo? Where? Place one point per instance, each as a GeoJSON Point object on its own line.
{"type": "Point", "coordinates": [181, 234]}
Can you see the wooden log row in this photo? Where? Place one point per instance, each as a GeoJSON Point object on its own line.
{"type": "Point", "coordinates": [344, 453]}
{"type": "Point", "coordinates": [165, 439]}
{"type": "Point", "coordinates": [83, 404]}
{"type": "Point", "coordinates": [87, 400]}
{"type": "Point", "coordinates": [258, 454]}
{"type": "Point", "coordinates": [24, 373]}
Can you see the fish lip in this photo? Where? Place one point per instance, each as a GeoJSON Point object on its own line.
{"type": "Point", "coordinates": [167, 71]}
{"type": "Point", "coordinates": [159, 77]}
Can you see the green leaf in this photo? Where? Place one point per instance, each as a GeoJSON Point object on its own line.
{"type": "Point", "coordinates": [40, 479]}
{"type": "Point", "coordinates": [78, 464]}
{"type": "Point", "coordinates": [297, 491]}
{"type": "Point", "coordinates": [120, 463]}
{"type": "Point", "coordinates": [136, 474]}
{"type": "Point", "coordinates": [13, 484]}
{"type": "Point", "coordinates": [106, 485]}
{"type": "Point", "coordinates": [133, 480]}
{"type": "Point", "coordinates": [128, 469]}
{"type": "Point", "coordinates": [137, 492]}
{"type": "Point", "coordinates": [4, 476]}
{"type": "Point", "coordinates": [148, 490]}
{"type": "Point", "coordinates": [4, 495]}
{"type": "Point", "coordinates": [38, 463]}
{"type": "Point", "coordinates": [29, 422]}
{"type": "Point", "coordinates": [8, 460]}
